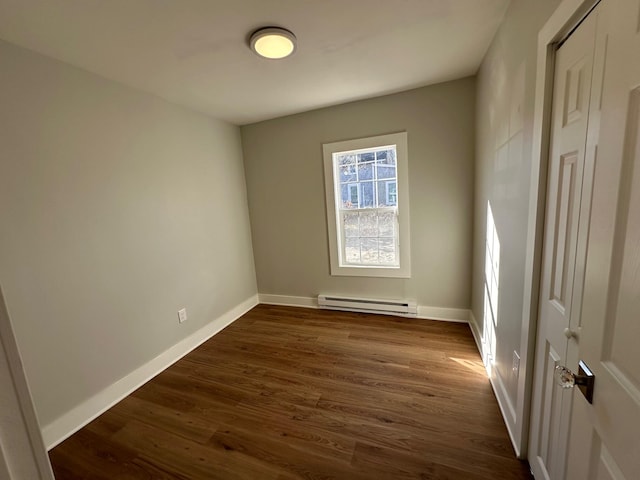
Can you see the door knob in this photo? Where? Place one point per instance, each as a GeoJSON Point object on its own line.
{"type": "Point", "coordinates": [584, 379]}
{"type": "Point", "coordinates": [570, 333]}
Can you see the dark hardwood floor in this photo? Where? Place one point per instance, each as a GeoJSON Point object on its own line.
{"type": "Point", "coordinates": [290, 393]}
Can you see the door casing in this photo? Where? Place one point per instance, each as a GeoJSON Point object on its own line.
{"type": "Point", "coordinates": [22, 450]}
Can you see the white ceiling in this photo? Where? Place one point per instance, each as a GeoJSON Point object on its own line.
{"type": "Point", "coordinates": [195, 53]}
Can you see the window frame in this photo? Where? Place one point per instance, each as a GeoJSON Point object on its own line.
{"type": "Point", "coordinates": [332, 196]}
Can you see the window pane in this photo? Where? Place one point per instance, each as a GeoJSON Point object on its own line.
{"type": "Point", "coordinates": [385, 171]}
{"type": "Point", "coordinates": [344, 159]}
{"type": "Point", "coordinates": [387, 222]}
{"type": "Point", "coordinates": [391, 156]}
{"type": "Point", "coordinates": [387, 254]}
{"type": "Point", "coordinates": [369, 250]}
{"type": "Point", "coordinates": [382, 194]}
{"type": "Point", "coordinates": [352, 250]}
{"type": "Point", "coordinates": [387, 157]}
{"type": "Point", "coordinates": [351, 225]}
{"type": "Point", "coordinates": [368, 224]}
{"type": "Point", "coordinates": [347, 173]}
{"type": "Point", "coordinates": [354, 195]}
{"type": "Point", "coordinates": [365, 171]}
{"type": "Point", "coordinates": [366, 195]}
{"type": "Point", "coordinates": [366, 157]}
{"type": "Point", "coordinates": [387, 193]}
{"type": "Point", "coordinates": [344, 194]}
{"type": "Point", "coordinates": [349, 195]}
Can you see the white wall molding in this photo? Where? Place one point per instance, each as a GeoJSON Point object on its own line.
{"type": "Point", "coordinates": [72, 421]}
{"type": "Point", "coordinates": [424, 312]}
{"type": "Point", "coordinates": [506, 408]}
{"type": "Point", "coordinates": [504, 403]}
{"type": "Point", "coordinates": [477, 335]}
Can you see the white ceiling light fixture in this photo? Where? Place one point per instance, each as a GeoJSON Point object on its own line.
{"type": "Point", "coordinates": [273, 42]}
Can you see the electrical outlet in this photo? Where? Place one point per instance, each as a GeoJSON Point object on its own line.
{"type": "Point", "coordinates": [182, 315]}
{"type": "Point", "coordinates": [515, 366]}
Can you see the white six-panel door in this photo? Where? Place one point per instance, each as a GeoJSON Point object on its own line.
{"type": "Point", "coordinates": [564, 248]}
{"type": "Point", "coordinates": [605, 436]}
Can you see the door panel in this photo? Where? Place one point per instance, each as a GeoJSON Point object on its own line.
{"type": "Point", "coordinates": [607, 432]}
{"type": "Point", "coordinates": [551, 408]}
{"type": "Point", "coordinates": [575, 92]}
{"type": "Point", "coordinates": [563, 229]}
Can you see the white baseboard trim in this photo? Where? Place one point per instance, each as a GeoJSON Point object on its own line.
{"type": "Point", "coordinates": [475, 330]}
{"type": "Point", "coordinates": [506, 408]}
{"type": "Point", "coordinates": [72, 421]}
{"type": "Point", "coordinates": [499, 390]}
{"type": "Point", "coordinates": [288, 300]}
{"type": "Point", "coordinates": [424, 312]}
{"type": "Point", "coordinates": [503, 399]}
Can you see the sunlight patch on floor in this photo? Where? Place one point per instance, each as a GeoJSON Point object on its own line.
{"type": "Point", "coordinates": [475, 366]}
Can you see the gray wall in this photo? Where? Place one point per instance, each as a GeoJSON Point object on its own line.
{"type": "Point", "coordinates": [504, 131]}
{"type": "Point", "coordinates": [285, 183]}
{"type": "Point", "coordinates": [117, 209]}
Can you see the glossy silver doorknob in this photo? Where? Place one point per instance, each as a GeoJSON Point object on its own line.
{"type": "Point", "coordinates": [585, 379]}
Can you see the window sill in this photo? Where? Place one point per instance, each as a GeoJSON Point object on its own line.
{"type": "Point", "coordinates": [379, 272]}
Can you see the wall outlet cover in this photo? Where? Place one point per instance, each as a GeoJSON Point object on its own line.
{"type": "Point", "coordinates": [182, 315]}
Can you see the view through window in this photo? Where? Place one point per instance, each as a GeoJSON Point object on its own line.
{"type": "Point", "coordinates": [367, 206]}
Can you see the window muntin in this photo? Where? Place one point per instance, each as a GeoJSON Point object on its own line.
{"type": "Point", "coordinates": [366, 183]}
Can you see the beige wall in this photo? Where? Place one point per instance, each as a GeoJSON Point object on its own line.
{"type": "Point", "coordinates": [504, 131]}
{"type": "Point", "coordinates": [116, 209]}
{"type": "Point", "coordinates": [284, 171]}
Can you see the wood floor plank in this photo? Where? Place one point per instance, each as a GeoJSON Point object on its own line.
{"type": "Point", "coordinates": [283, 454]}
{"type": "Point", "coordinates": [288, 393]}
{"type": "Point", "coordinates": [385, 463]}
{"type": "Point", "coordinates": [188, 458]}
{"type": "Point", "coordinates": [193, 427]}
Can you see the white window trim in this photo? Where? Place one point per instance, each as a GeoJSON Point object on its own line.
{"type": "Point", "coordinates": [402, 189]}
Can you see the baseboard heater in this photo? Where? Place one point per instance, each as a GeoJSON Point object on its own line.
{"type": "Point", "coordinates": [403, 308]}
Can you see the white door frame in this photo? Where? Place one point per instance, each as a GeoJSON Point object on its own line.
{"type": "Point", "coordinates": [562, 22]}
{"type": "Point", "coordinates": [22, 450]}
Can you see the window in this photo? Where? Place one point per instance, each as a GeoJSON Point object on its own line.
{"type": "Point", "coordinates": [366, 183]}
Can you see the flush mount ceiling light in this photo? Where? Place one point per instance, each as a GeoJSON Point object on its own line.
{"type": "Point", "coordinates": [273, 42]}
